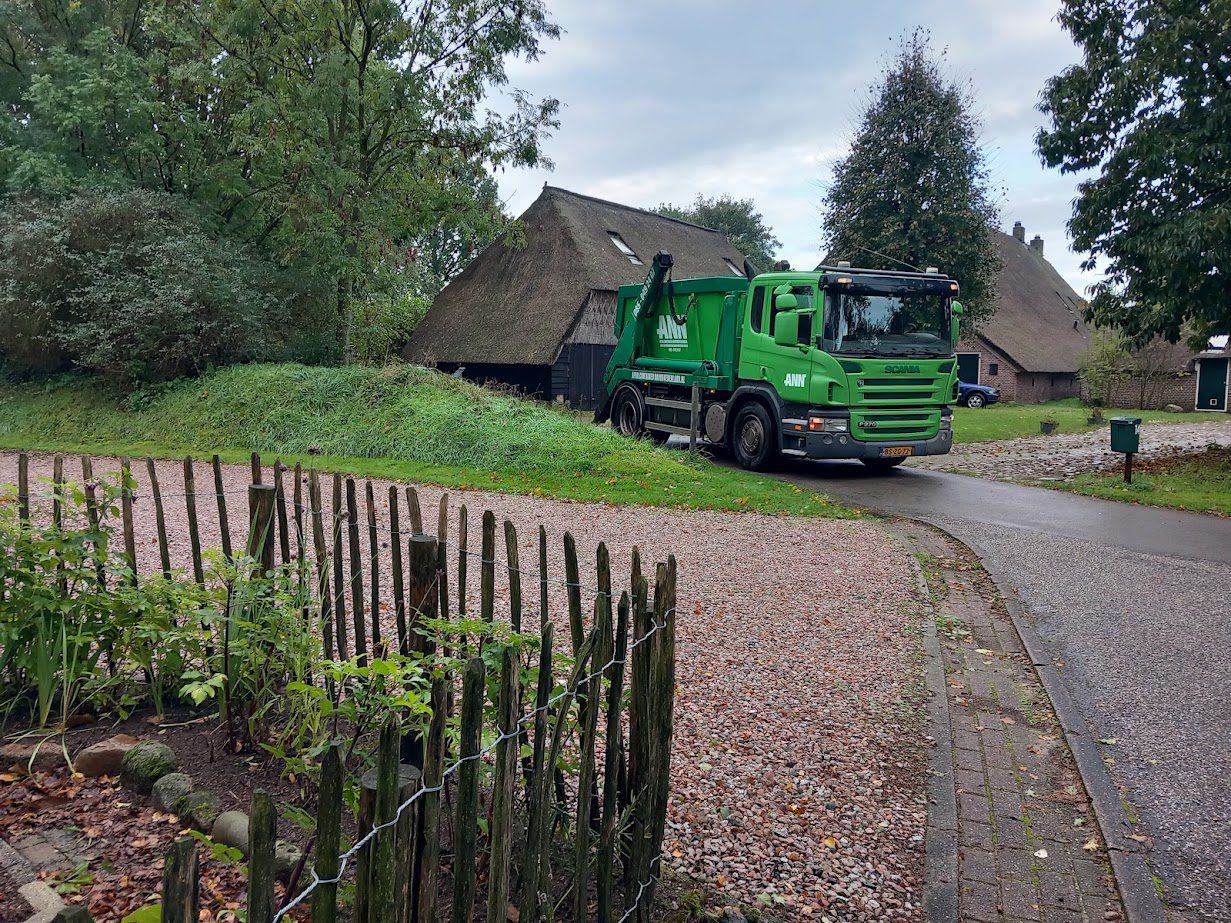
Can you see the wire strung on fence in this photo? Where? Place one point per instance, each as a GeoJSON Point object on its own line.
{"type": "Point", "coordinates": [568, 693]}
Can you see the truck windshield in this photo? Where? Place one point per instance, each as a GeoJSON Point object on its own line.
{"type": "Point", "coordinates": [887, 325]}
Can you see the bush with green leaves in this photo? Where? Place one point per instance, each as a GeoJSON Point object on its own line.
{"type": "Point", "coordinates": [133, 285]}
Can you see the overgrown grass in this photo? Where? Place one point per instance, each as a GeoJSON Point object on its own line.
{"type": "Point", "coordinates": [400, 422]}
{"type": "Point", "coordinates": [1008, 421]}
{"type": "Point", "coordinates": [1200, 482]}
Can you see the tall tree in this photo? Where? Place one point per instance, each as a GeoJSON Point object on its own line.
{"type": "Point", "coordinates": [737, 218]}
{"type": "Point", "coordinates": [322, 131]}
{"type": "Point", "coordinates": [913, 191]}
{"type": "Point", "coordinates": [1148, 109]}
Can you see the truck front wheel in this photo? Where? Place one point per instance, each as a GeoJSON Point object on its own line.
{"type": "Point", "coordinates": [752, 438]}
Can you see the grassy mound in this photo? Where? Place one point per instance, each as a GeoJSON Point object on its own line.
{"type": "Point", "coordinates": [401, 422]}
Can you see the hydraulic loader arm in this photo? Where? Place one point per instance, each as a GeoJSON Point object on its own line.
{"type": "Point", "coordinates": [630, 338]}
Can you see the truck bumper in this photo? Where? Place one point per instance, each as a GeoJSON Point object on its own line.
{"type": "Point", "coordinates": [836, 445]}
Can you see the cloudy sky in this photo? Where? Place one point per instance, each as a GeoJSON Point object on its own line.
{"type": "Point", "coordinates": [662, 101]}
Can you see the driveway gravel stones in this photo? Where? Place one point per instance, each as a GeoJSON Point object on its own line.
{"type": "Point", "coordinates": [798, 768]}
{"type": "Point", "coordinates": [1062, 456]}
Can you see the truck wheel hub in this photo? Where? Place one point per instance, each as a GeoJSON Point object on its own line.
{"type": "Point", "coordinates": [751, 435]}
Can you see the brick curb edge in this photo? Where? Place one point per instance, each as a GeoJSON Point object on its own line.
{"type": "Point", "coordinates": [1134, 879]}
{"type": "Point", "coordinates": [42, 900]}
{"type": "Point", "coordinates": [940, 863]}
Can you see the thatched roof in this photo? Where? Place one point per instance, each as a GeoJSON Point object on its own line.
{"type": "Point", "coordinates": [516, 305]}
{"type": "Point", "coordinates": [1035, 312]}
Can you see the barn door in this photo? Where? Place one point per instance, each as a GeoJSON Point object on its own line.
{"type": "Point", "coordinates": [1212, 384]}
{"type": "Point", "coordinates": [968, 368]}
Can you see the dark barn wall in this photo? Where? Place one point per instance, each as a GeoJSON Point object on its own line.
{"type": "Point", "coordinates": [577, 376]}
{"type": "Point", "coordinates": [529, 380]}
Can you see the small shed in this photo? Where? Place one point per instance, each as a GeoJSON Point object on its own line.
{"type": "Point", "coordinates": [540, 317]}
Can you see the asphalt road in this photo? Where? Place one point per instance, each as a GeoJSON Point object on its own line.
{"type": "Point", "coordinates": [1136, 602]}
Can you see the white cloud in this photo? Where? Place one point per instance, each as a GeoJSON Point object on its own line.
{"type": "Point", "coordinates": [666, 101]}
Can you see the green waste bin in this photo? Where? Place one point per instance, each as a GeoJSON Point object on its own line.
{"type": "Point", "coordinates": [1125, 434]}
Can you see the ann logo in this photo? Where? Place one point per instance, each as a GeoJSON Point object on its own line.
{"type": "Point", "coordinates": [670, 334]}
{"type": "Point", "coordinates": [796, 380]}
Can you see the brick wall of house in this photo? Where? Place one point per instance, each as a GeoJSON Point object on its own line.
{"type": "Point", "coordinates": [1037, 387]}
{"type": "Point", "coordinates": [996, 370]}
{"type": "Point", "coordinates": [1180, 389]}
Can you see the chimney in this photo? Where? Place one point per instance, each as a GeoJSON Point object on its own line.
{"type": "Point", "coordinates": [1019, 231]}
{"type": "Point", "coordinates": [1037, 245]}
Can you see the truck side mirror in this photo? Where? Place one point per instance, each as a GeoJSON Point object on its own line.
{"type": "Point", "coordinates": [786, 326]}
{"type": "Point", "coordinates": [955, 331]}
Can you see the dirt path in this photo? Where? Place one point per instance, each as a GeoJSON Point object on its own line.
{"type": "Point", "coordinates": [1061, 456]}
{"type": "Point", "coordinates": [798, 768]}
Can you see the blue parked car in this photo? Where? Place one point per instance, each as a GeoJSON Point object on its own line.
{"type": "Point", "coordinates": [976, 396]}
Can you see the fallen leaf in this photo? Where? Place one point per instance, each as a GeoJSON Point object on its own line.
{"type": "Point", "coordinates": [1090, 845]}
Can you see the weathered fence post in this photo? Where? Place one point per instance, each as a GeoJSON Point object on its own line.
{"type": "Point", "coordinates": [328, 835]}
{"type": "Point", "coordinates": [611, 771]}
{"type": "Point", "coordinates": [220, 497]}
{"type": "Point", "coordinates": [164, 549]}
{"type": "Point", "coordinates": [373, 565]}
{"type": "Point", "coordinates": [322, 561]}
{"type": "Point", "coordinates": [194, 531]}
{"type": "Point", "coordinates": [538, 822]}
{"type": "Point", "coordinates": [284, 526]}
{"type": "Point", "coordinates": [502, 789]}
{"type": "Point", "coordinates": [383, 894]}
{"type": "Point", "coordinates": [399, 576]}
{"type": "Point", "coordinates": [180, 901]}
{"type": "Point", "coordinates": [261, 525]}
{"type": "Point", "coordinates": [339, 584]}
{"type": "Point", "coordinates": [23, 487]}
{"type": "Point", "coordinates": [356, 574]}
{"type": "Point", "coordinates": [262, 837]}
{"type": "Point", "coordinates": [126, 516]}
{"type": "Point", "coordinates": [466, 829]}
{"type": "Point", "coordinates": [433, 777]}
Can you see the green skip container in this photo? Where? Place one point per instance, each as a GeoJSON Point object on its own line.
{"type": "Point", "coordinates": [1125, 434]}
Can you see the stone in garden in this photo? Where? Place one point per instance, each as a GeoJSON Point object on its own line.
{"type": "Point", "coordinates": [731, 915]}
{"type": "Point", "coordinates": [1174, 408]}
{"type": "Point", "coordinates": [200, 809]}
{"type": "Point", "coordinates": [104, 758]}
{"type": "Point", "coordinates": [286, 857]}
{"type": "Point", "coordinates": [72, 913]}
{"type": "Point", "coordinates": [145, 764]}
{"type": "Point", "coordinates": [169, 791]}
{"type": "Point", "coordinates": [34, 757]}
{"type": "Point", "coordinates": [231, 829]}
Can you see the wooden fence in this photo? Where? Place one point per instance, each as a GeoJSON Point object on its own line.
{"type": "Point", "coordinates": [462, 826]}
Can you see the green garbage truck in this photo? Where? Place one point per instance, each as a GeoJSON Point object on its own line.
{"type": "Point", "coordinates": [835, 363]}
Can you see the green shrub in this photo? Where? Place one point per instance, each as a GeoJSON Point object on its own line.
{"type": "Point", "coordinates": [133, 285]}
{"type": "Point", "coordinates": [383, 325]}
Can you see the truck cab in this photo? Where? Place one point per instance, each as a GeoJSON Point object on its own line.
{"type": "Point", "coordinates": [861, 363]}
{"type": "Point", "coordinates": [833, 363]}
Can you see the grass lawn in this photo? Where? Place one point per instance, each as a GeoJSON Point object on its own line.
{"type": "Point", "coordinates": [400, 422]}
{"type": "Point", "coordinates": [1200, 482]}
{"type": "Point", "coordinates": [1008, 421]}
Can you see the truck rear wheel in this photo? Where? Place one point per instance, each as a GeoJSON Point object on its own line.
{"type": "Point", "coordinates": [752, 438]}
{"type": "Point", "coordinates": [628, 416]}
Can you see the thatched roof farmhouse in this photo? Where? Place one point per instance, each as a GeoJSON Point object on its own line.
{"type": "Point", "coordinates": [540, 317]}
{"type": "Point", "coordinates": [1031, 346]}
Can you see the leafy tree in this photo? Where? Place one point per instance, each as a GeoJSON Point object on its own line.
{"type": "Point", "coordinates": [913, 190]}
{"type": "Point", "coordinates": [1149, 110]}
{"type": "Point", "coordinates": [1102, 366]}
{"type": "Point", "coordinates": [736, 218]}
{"type": "Point", "coordinates": [327, 133]}
{"type": "Point", "coordinates": [132, 285]}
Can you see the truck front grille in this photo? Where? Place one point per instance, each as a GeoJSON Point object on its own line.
{"type": "Point", "coordinates": [889, 426]}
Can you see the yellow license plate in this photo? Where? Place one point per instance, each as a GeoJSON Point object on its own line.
{"type": "Point", "coordinates": [896, 451]}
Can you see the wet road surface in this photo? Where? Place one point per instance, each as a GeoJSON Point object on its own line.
{"type": "Point", "coordinates": [1136, 602]}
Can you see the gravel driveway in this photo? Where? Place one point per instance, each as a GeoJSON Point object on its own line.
{"type": "Point", "coordinates": [799, 754]}
{"type": "Point", "coordinates": [1061, 456]}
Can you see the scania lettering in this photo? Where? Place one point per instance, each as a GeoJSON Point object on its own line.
{"type": "Point", "coordinates": [839, 362]}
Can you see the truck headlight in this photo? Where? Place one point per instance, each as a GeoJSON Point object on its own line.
{"type": "Point", "coordinates": [829, 424]}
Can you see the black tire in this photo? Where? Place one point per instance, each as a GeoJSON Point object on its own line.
{"type": "Point", "coordinates": [881, 465]}
{"type": "Point", "coordinates": [628, 413]}
{"type": "Point", "coordinates": [976, 401]}
{"type": "Point", "coordinates": [752, 438]}
{"type": "Point", "coordinates": [628, 417]}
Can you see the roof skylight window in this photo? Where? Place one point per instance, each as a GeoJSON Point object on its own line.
{"type": "Point", "coordinates": [625, 248]}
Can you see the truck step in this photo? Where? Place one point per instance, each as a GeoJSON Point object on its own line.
{"type": "Point", "coordinates": [668, 428]}
{"type": "Point", "coordinates": [667, 402]}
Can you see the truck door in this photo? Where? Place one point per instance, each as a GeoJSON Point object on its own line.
{"type": "Point", "coordinates": [788, 365]}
